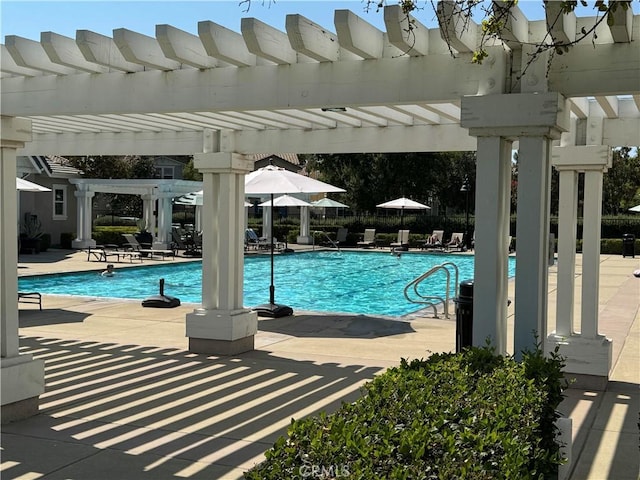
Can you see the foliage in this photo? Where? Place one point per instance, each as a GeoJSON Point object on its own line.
{"type": "Point", "coordinates": [469, 415]}
{"type": "Point", "coordinates": [621, 183]}
{"type": "Point", "coordinates": [189, 172]}
{"type": "Point", "coordinates": [496, 15]}
{"type": "Point", "coordinates": [31, 228]}
{"type": "Point", "coordinates": [371, 179]}
{"type": "Point", "coordinates": [66, 240]}
{"type": "Point", "coordinates": [111, 235]}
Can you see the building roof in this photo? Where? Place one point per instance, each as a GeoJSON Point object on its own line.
{"type": "Point", "coordinates": [54, 166]}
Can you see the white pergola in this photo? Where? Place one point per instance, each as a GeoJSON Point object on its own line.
{"type": "Point", "coordinates": [223, 95]}
{"type": "Point", "coordinates": [152, 191]}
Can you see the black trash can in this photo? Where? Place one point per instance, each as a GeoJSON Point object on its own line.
{"type": "Point", "coordinates": [464, 315]}
{"type": "Point", "coordinates": [628, 245]}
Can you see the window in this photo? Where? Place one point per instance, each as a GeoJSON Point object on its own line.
{"type": "Point", "coordinates": [164, 172]}
{"type": "Point", "coordinates": [59, 202]}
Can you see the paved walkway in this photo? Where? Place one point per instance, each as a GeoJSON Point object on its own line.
{"type": "Point", "coordinates": [126, 400]}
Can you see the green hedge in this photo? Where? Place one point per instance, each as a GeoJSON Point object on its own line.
{"type": "Point", "coordinates": [112, 235]}
{"type": "Point", "coordinates": [473, 415]}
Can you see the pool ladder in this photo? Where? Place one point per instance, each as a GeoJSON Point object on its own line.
{"type": "Point", "coordinates": [432, 300]}
{"type": "Point", "coordinates": [326, 236]}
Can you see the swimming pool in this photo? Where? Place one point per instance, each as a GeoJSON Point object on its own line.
{"type": "Point", "coordinates": [368, 283]}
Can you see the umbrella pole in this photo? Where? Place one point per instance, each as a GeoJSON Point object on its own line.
{"type": "Point", "coordinates": [272, 288]}
{"type": "Point", "coordinates": [271, 309]}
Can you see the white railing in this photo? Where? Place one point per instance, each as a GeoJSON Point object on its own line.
{"type": "Point", "coordinates": [412, 294]}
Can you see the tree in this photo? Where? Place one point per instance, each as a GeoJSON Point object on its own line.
{"type": "Point", "coordinates": [370, 179]}
{"type": "Point", "coordinates": [621, 183]}
{"type": "Point", "coordinates": [189, 172]}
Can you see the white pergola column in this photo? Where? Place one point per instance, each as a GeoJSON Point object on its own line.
{"type": "Point", "coordinates": [305, 237]}
{"type": "Point", "coordinates": [567, 233]}
{"type": "Point", "coordinates": [532, 234]}
{"type": "Point", "coordinates": [266, 223]}
{"type": "Point", "coordinates": [495, 119]}
{"type": "Point", "coordinates": [588, 353]}
{"type": "Point", "coordinates": [162, 239]}
{"type": "Point", "coordinates": [148, 209]}
{"type": "Point", "coordinates": [222, 325]}
{"type": "Point", "coordinates": [84, 237]}
{"type": "Point", "coordinates": [493, 192]}
{"type": "Point", "coordinates": [22, 377]}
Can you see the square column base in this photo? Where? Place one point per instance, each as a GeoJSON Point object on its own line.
{"type": "Point", "coordinates": [221, 332]}
{"type": "Point", "coordinates": [16, 411]}
{"type": "Point", "coordinates": [221, 347]}
{"type": "Point", "coordinates": [304, 240]}
{"type": "Point", "coordinates": [22, 380]}
{"type": "Point", "coordinates": [588, 360]}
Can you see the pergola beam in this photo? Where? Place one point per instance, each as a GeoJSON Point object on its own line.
{"type": "Point", "coordinates": [183, 47]}
{"type": "Point", "coordinates": [65, 51]}
{"type": "Point", "coordinates": [143, 50]}
{"type": "Point", "coordinates": [405, 32]}
{"type": "Point", "coordinates": [103, 50]}
{"type": "Point", "coordinates": [357, 35]}
{"type": "Point", "coordinates": [267, 42]}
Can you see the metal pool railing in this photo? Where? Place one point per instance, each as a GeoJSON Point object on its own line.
{"type": "Point", "coordinates": [412, 294]}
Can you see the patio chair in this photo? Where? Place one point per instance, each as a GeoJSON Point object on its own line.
{"type": "Point", "coordinates": [456, 242]}
{"type": "Point", "coordinates": [135, 246]}
{"type": "Point", "coordinates": [187, 243]}
{"type": "Point", "coordinates": [369, 239]}
{"type": "Point", "coordinates": [341, 237]}
{"type": "Point", "coordinates": [402, 243]}
{"type": "Point", "coordinates": [434, 242]}
{"type": "Point", "coordinates": [30, 297]}
{"type": "Point", "coordinates": [252, 241]}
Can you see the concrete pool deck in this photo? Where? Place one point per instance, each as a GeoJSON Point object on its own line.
{"type": "Point", "coordinates": [125, 399]}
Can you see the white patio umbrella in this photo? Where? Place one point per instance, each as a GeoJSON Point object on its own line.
{"type": "Point", "coordinates": [635, 209]}
{"type": "Point", "coordinates": [286, 201]}
{"type": "Point", "coordinates": [272, 180]}
{"type": "Point", "coordinates": [328, 203]}
{"type": "Point", "coordinates": [27, 186]}
{"type": "Point", "coordinates": [403, 204]}
{"type": "Point", "coordinates": [325, 203]}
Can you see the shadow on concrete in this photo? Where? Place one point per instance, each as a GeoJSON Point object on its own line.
{"type": "Point", "coordinates": [32, 317]}
{"type": "Point", "coordinates": [130, 411]}
{"type": "Point", "coordinates": [335, 326]}
{"type": "Point", "coordinates": [618, 404]}
{"type": "Point", "coordinates": [50, 256]}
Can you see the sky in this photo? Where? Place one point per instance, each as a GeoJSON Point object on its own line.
{"type": "Point", "coordinates": [27, 18]}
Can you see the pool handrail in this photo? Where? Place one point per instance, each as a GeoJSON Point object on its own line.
{"type": "Point", "coordinates": [327, 237]}
{"type": "Point", "coordinates": [433, 300]}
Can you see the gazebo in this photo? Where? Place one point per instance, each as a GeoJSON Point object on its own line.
{"type": "Point", "coordinates": [356, 90]}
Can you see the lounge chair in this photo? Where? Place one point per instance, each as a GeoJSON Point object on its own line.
{"type": "Point", "coordinates": [251, 239]}
{"type": "Point", "coordinates": [369, 239]}
{"type": "Point", "coordinates": [434, 241]}
{"type": "Point", "coordinates": [30, 297]}
{"type": "Point", "coordinates": [456, 242]}
{"type": "Point", "coordinates": [403, 241]}
{"type": "Point", "coordinates": [187, 244]}
{"type": "Point", "coordinates": [135, 246]}
{"type": "Point", "coordinates": [341, 237]}
{"type": "Point", "coordinates": [103, 253]}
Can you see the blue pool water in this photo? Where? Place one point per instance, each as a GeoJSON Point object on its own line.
{"type": "Point", "coordinates": [369, 283]}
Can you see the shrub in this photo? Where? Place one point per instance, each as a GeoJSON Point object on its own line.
{"type": "Point", "coordinates": [472, 415]}
{"type": "Point", "coordinates": [111, 235]}
{"type": "Point", "coordinates": [66, 240]}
